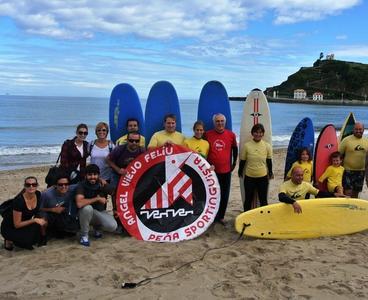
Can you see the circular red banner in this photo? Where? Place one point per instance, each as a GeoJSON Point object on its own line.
{"type": "Point", "coordinates": [169, 194]}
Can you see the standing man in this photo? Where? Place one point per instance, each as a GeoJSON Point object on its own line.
{"type": "Point", "coordinates": [132, 125]}
{"type": "Point", "coordinates": [222, 155]}
{"type": "Point", "coordinates": [167, 136]}
{"type": "Point", "coordinates": [91, 199]}
{"type": "Point", "coordinates": [118, 160]}
{"type": "Point", "coordinates": [354, 149]}
{"type": "Point", "coordinates": [122, 155]}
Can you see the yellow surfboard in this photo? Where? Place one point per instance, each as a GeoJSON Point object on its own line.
{"type": "Point", "coordinates": [320, 217]}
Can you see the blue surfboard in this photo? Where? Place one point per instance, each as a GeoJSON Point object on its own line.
{"type": "Point", "coordinates": [124, 104]}
{"type": "Point", "coordinates": [213, 100]}
{"type": "Point", "coordinates": [303, 136]}
{"type": "Point", "coordinates": [162, 100]}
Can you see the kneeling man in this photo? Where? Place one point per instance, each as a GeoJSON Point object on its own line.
{"type": "Point", "coordinates": [58, 204]}
{"type": "Point", "coordinates": [296, 189]}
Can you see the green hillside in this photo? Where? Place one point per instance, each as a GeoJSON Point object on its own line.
{"type": "Point", "coordinates": [335, 79]}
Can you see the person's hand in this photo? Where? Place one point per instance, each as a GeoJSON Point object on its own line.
{"type": "Point", "coordinates": [103, 182]}
{"type": "Point", "coordinates": [233, 166]}
{"type": "Point", "coordinates": [297, 208]}
{"type": "Point", "coordinates": [168, 144]}
{"type": "Point", "coordinates": [271, 176]}
{"type": "Point", "coordinates": [102, 200]}
{"type": "Point", "coordinates": [212, 168]}
{"type": "Point", "coordinates": [339, 195]}
{"type": "Point", "coordinates": [122, 171]}
{"type": "Point", "coordinates": [59, 209]}
{"type": "Point", "coordinates": [40, 221]}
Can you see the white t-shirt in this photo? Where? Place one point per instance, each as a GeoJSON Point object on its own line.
{"type": "Point", "coordinates": [98, 157]}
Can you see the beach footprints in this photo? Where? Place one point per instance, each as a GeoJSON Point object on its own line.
{"type": "Point", "coordinates": [225, 289]}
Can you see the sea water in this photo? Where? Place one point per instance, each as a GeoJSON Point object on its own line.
{"type": "Point", "coordinates": [33, 128]}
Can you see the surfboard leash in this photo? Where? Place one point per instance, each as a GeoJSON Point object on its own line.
{"type": "Point", "coordinates": [132, 285]}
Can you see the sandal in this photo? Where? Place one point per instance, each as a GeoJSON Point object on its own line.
{"type": "Point", "coordinates": [8, 245]}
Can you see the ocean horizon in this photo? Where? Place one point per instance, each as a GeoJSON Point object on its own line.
{"type": "Point", "coordinates": [33, 128]}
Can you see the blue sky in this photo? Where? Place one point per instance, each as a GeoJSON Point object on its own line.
{"type": "Point", "coordinates": [85, 48]}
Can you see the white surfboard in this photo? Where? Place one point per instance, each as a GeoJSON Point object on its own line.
{"type": "Point", "coordinates": [255, 110]}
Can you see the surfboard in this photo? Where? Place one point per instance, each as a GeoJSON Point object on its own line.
{"type": "Point", "coordinates": [347, 127]}
{"type": "Point", "coordinates": [320, 217]}
{"type": "Point", "coordinates": [162, 100]}
{"type": "Point", "coordinates": [255, 110]}
{"type": "Point", "coordinates": [326, 144]}
{"type": "Point", "coordinates": [124, 104]}
{"type": "Point", "coordinates": [302, 136]}
{"type": "Point", "coordinates": [212, 100]}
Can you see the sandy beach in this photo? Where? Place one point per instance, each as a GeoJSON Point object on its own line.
{"type": "Point", "coordinates": [324, 268]}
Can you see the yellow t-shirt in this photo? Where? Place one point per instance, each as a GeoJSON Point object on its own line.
{"type": "Point", "coordinates": [333, 176]}
{"type": "Point", "coordinates": [307, 167]}
{"type": "Point", "coordinates": [255, 155]}
{"type": "Point", "coordinates": [297, 191]}
{"type": "Point", "coordinates": [161, 137]}
{"type": "Point", "coordinates": [354, 151]}
{"type": "Point", "coordinates": [200, 146]}
{"type": "Point", "coordinates": [124, 139]}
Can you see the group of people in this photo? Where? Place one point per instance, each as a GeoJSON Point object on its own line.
{"type": "Point", "coordinates": [344, 177]}
{"type": "Point", "coordinates": [78, 197]}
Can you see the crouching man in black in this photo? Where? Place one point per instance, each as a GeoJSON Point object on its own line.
{"type": "Point", "coordinates": [91, 200]}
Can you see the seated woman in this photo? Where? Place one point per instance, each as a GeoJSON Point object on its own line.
{"type": "Point", "coordinates": [23, 226]}
{"type": "Point", "coordinates": [74, 154]}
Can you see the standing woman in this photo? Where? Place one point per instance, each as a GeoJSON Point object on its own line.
{"type": "Point", "coordinates": [257, 160]}
{"type": "Point", "coordinates": [74, 154]}
{"type": "Point", "coordinates": [99, 149]}
{"type": "Point", "coordinates": [197, 143]}
{"type": "Point", "coordinates": [23, 226]}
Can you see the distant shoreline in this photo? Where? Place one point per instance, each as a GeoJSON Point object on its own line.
{"type": "Point", "coordinates": [309, 101]}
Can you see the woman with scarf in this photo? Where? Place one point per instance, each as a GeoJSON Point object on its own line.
{"type": "Point", "coordinates": [74, 154]}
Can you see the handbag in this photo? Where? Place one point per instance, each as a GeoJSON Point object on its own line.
{"type": "Point", "coordinates": [6, 207]}
{"type": "Point", "coordinates": [50, 178]}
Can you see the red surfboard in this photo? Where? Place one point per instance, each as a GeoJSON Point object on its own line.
{"type": "Point", "coordinates": [326, 144]}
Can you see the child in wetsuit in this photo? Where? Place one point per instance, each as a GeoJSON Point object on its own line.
{"type": "Point", "coordinates": [305, 162]}
{"type": "Point", "coordinates": [334, 174]}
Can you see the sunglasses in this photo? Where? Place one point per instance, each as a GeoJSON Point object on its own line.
{"type": "Point", "coordinates": [27, 185]}
{"type": "Point", "coordinates": [133, 141]}
{"type": "Point", "coordinates": [101, 130]}
{"type": "Point", "coordinates": [62, 184]}
{"type": "Point", "coordinates": [83, 132]}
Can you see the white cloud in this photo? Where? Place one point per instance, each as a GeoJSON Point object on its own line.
{"type": "Point", "coordinates": [245, 48]}
{"type": "Point", "coordinates": [93, 85]}
{"type": "Point", "coordinates": [159, 19]}
{"type": "Point", "coordinates": [349, 52]}
{"type": "Point", "coordinates": [342, 37]}
{"type": "Point", "coordinates": [294, 11]}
